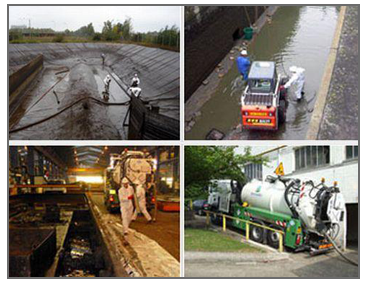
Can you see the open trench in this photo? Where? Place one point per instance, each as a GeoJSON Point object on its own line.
{"type": "Point", "coordinates": [70, 86]}
{"type": "Point", "coordinates": [62, 239]}
{"type": "Point", "coordinates": [295, 35]}
{"type": "Point", "coordinates": [69, 236]}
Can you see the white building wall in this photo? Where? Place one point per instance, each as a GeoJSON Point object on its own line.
{"type": "Point", "coordinates": [345, 172]}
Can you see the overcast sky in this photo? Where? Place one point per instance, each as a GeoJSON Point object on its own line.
{"type": "Point", "coordinates": [59, 18]}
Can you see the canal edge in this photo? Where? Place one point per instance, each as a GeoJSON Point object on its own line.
{"type": "Point", "coordinates": [197, 100]}
{"type": "Point", "coordinates": [316, 118]}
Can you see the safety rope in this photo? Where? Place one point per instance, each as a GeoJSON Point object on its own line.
{"type": "Point", "coordinates": [64, 109]}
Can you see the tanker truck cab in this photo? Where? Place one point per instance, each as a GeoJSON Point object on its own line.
{"type": "Point", "coordinates": [263, 102]}
{"type": "Point", "coordinates": [223, 194]}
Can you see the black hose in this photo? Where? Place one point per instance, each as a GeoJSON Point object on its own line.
{"type": "Point", "coordinates": [64, 109]}
{"type": "Point", "coordinates": [290, 205]}
{"type": "Point", "coordinates": [339, 251]}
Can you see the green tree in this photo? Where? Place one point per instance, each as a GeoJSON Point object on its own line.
{"type": "Point", "coordinates": [107, 33]}
{"type": "Point", "coordinates": [205, 163]}
{"type": "Point", "coordinates": [127, 29]}
{"type": "Point", "coordinates": [85, 31]}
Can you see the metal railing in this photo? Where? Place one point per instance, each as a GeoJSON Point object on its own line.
{"type": "Point", "coordinates": [248, 223]}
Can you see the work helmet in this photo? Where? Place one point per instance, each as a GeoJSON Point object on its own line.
{"type": "Point", "coordinates": [293, 69]}
{"type": "Point", "coordinates": [125, 180]}
{"type": "Point", "coordinates": [244, 52]}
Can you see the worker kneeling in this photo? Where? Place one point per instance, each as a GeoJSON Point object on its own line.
{"type": "Point", "coordinates": [297, 79]}
{"type": "Point", "coordinates": [141, 198]}
{"type": "Point", "coordinates": [125, 195]}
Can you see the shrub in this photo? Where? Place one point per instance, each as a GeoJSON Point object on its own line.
{"type": "Point", "coordinates": [58, 38]}
{"type": "Point", "coordinates": [97, 36]}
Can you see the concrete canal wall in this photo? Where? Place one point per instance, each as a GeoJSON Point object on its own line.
{"type": "Point", "coordinates": [210, 32]}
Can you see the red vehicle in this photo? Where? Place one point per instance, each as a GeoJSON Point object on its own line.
{"type": "Point", "coordinates": [264, 101]}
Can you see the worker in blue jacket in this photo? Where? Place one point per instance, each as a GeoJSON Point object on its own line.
{"type": "Point", "coordinates": [243, 64]}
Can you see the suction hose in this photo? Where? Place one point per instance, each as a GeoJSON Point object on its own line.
{"type": "Point", "coordinates": [340, 252]}
{"type": "Point", "coordinates": [64, 109]}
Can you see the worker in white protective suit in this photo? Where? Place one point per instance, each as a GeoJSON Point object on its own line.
{"type": "Point", "coordinates": [125, 195]}
{"type": "Point", "coordinates": [297, 79]}
{"type": "Point", "coordinates": [135, 81]}
{"type": "Point", "coordinates": [107, 82]}
{"type": "Point", "coordinates": [136, 91]}
{"type": "Point", "coordinates": [141, 198]}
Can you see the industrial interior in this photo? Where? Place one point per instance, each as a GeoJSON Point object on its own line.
{"type": "Point", "coordinates": [65, 219]}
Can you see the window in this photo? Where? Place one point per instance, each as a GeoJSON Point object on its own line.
{"type": "Point", "coordinates": [311, 156]}
{"type": "Point", "coordinates": [261, 85]}
{"type": "Point", "coordinates": [352, 152]}
{"type": "Point", "coordinates": [253, 171]}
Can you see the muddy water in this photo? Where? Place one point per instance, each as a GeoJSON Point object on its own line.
{"type": "Point", "coordinates": [299, 36]}
{"type": "Point", "coordinates": [116, 114]}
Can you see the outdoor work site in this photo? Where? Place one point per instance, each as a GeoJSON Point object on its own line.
{"type": "Point", "coordinates": [272, 72]}
{"type": "Point", "coordinates": [94, 211]}
{"type": "Point", "coordinates": [109, 73]}
{"type": "Point", "coordinates": [271, 211]}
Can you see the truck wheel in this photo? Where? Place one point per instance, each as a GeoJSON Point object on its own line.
{"type": "Point", "coordinates": [273, 238]}
{"type": "Point", "coordinates": [282, 112]}
{"type": "Point", "coordinates": [257, 234]}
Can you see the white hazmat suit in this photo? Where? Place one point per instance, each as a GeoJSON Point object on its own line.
{"type": "Point", "coordinates": [136, 91]}
{"type": "Point", "coordinates": [297, 80]}
{"type": "Point", "coordinates": [141, 198]}
{"type": "Point", "coordinates": [107, 81]}
{"type": "Point", "coordinates": [135, 81]}
{"type": "Point", "coordinates": [125, 195]}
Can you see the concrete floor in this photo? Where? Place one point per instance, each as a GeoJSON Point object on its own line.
{"type": "Point", "coordinates": [340, 119]}
{"type": "Point", "coordinates": [165, 231]}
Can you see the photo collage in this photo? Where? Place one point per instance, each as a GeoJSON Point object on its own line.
{"type": "Point", "coordinates": [183, 141]}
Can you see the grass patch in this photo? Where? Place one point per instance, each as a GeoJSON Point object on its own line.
{"type": "Point", "coordinates": [211, 241]}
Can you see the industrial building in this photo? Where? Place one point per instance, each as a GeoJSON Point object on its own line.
{"type": "Point", "coordinates": [64, 214]}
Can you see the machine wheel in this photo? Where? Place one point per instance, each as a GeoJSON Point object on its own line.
{"type": "Point", "coordinates": [257, 234]}
{"type": "Point", "coordinates": [282, 112]}
{"type": "Point", "coordinates": [273, 237]}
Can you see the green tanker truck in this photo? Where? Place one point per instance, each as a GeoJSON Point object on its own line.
{"type": "Point", "coordinates": [311, 216]}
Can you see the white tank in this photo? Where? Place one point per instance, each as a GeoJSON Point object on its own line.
{"type": "Point", "coordinates": [271, 197]}
{"type": "Point", "coordinates": [265, 195]}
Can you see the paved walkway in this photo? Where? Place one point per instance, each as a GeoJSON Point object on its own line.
{"type": "Point", "coordinates": [341, 114]}
{"type": "Point", "coordinates": [297, 265]}
{"type": "Point", "coordinates": [136, 254]}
